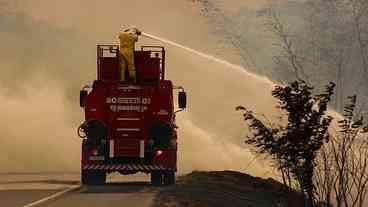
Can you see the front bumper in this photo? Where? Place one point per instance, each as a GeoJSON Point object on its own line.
{"type": "Point", "coordinates": [126, 167]}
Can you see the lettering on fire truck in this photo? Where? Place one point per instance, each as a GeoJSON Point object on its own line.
{"type": "Point", "coordinates": [124, 100]}
{"type": "Point", "coordinates": [114, 101]}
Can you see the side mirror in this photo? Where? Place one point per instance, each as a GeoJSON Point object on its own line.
{"type": "Point", "coordinates": [182, 100]}
{"type": "Point", "coordinates": [82, 97]}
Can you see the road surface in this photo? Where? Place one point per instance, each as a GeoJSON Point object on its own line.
{"type": "Point", "coordinates": [20, 190]}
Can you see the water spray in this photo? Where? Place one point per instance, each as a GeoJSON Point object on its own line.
{"type": "Point", "coordinates": [207, 56]}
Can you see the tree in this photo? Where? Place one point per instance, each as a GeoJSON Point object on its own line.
{"type": "Point", "coordinates": [288, 57]}
{"type": "Point", "coordinates": [331, 40]}
{"type": "Point", "coordinates": [333, 43]}
{"type": "Point", "coordinates": [294, 145]}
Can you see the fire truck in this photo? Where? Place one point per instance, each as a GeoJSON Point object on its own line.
{"type": "Point", "coordinates": [130, 125]}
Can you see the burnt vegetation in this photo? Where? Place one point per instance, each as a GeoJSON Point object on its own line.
{"type": "Point", "coordinates": [341, 176]}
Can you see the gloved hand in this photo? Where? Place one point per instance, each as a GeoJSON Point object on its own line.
{"type": "Point", "coordinates": [137, 31]}
{"type": "Point", "coordinates": [133, 29]}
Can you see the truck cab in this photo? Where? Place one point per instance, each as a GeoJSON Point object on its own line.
{"type": "Point", "coordinates": [129, 126]}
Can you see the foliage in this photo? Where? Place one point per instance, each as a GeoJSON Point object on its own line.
{"type": "Point", "coordinates": [294, 146]}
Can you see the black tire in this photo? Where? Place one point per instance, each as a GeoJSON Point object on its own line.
{"type": "Point", "coordinates": [95, 131]}
{"type": "Point", "coordinates": [169, 178]}
{"type": "Point", "coordinates": [156, 178]}
{"type": "Point", "coordinates": [93, 177]}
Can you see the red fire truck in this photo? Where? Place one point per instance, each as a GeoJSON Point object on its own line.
{"type": "Point", "coordinates": [130, 126]}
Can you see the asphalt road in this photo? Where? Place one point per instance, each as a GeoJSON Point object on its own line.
{"type": "Point", "coordinates": [18, 190]}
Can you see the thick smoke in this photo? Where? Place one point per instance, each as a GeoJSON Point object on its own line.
{"type": "Point", "coordinates": [36, 134]}
{"type": "Point", "coordinates": [39, 129]}
{"type": "Point", "coordinates": [211, 130]}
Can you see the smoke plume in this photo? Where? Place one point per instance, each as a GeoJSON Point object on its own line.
{"type": "Point", "coordinates": [38, 132]}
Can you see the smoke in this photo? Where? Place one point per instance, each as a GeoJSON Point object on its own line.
{"type": "Point", "coordinates": [201, 150]}
{"type": "Point", "coordinates": [39, 129]}
{"type": "Point", "coordinates": [211, 131]}
{"type": "Point", "coordinates": [35, 134]}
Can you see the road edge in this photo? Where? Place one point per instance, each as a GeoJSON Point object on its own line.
{"type": "Point", "coordinates": [53, 196]}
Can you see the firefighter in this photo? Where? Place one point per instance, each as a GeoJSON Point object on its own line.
{"type": "Point", "coordinates": [128, 38]}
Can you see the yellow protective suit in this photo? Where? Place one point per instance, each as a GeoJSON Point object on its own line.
{"type": "Point", "coordinates": [128, 38]}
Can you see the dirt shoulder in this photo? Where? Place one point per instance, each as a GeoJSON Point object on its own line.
{"type": "Point", "coordinates": [225, 188]}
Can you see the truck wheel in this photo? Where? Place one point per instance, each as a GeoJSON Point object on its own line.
{"type": "Point", "coordinates": [93, 177]}
{"type": "Point", "coordinates": [169, 178]}
{"type": "Point", "coordinates": [156, 178]}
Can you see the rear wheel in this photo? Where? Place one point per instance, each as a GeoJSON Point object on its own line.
{"type": "Point", "coordinates": [169, 178]}
{"type": "Point", "coordinates": [156, 178]}
{"type": "Point", "coordinates": [93, 177]}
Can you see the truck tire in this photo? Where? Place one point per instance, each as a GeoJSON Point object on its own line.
{"type": "Point", "coordinates": [93, 177]}
{"type": "Point", "coordinates": [169, 178]}
{"type": "Point", "coordinates": [156, 178]}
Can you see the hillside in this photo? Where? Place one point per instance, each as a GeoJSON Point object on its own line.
{"type": "Point", "coordinates": [225, 188]}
